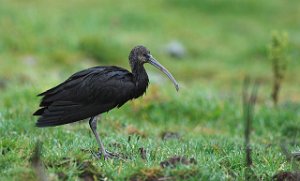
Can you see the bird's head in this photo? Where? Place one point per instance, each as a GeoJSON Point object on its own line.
{"type": "Point", "coordinates": [140, 55]}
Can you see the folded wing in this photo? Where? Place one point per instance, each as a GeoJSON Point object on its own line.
{"type": "Point", "coordinates": [85, 94]}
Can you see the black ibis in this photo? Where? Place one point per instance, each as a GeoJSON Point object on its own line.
{"type": "Point", "coordinates": [93, 91]}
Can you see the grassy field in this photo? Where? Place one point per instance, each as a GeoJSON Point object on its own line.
{"type": "Point", "coordinates": [43, 42]}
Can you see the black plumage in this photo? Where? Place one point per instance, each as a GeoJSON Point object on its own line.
{"type": "Point", "coordinates": [88, 93]}
{"type": "Point", "coordinates": [96, 90]}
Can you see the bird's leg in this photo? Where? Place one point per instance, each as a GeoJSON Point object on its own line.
{"type": "Point", "coordinates": [103, 151]}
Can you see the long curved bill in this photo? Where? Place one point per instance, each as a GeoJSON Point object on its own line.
{"type": "Point", "coordinates": [156, 64]}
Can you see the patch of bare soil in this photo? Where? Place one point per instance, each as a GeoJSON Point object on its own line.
{"type": "Point", "coordinates": [177, 160]}
{"type": "Point", "coordinates": [286, 176]}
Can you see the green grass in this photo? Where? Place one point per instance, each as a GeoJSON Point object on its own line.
{"type": "Point", "coordinates": [211, 130]}
{"type": "Point", "coordinates": [43, 42]}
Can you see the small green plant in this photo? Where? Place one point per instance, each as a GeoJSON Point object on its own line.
{"type": "Point", "coordinates": [278, 56]}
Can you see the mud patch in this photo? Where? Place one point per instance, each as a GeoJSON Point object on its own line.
{"type": "Point", "coordinates": [155, 174]}
{"type": "Point", "coordinates": [177, 160]}
{"type": "Point", "coordinates": [149, 174]}
{"type": "Point", "coordinates": [286, 176]}
{"type": "Point", "coordinates": [170, 135]}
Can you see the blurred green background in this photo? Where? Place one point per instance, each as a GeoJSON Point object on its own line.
{"type": "Point", "coordinates": [44, 42]}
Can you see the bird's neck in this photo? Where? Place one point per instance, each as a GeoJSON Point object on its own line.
{"type": "Point", "coordinates": [140, 79]}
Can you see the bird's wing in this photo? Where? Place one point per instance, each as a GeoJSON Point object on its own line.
{"type": "Point", "coordinates": [72, 80]}
{"type": "Point", "coordinates": [85, 94]}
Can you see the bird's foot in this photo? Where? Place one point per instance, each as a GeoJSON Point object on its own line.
{"type": "Point", "coordinates": [106, 155]}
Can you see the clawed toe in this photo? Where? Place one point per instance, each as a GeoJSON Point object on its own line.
{"type": "Point", "coordinates": [107, 155]}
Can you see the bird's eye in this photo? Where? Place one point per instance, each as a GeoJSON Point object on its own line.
{"type": "Point", "coordinates": [146, 55]}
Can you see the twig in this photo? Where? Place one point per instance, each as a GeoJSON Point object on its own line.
{"type": "Point", "coordinates": [248, 110]}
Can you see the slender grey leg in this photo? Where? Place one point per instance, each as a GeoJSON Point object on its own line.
{"type": "Point", "coordinates": [93, 125]}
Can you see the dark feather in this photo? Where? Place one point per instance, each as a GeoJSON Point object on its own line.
{"type": "Point", "coordinates": [88, 93]}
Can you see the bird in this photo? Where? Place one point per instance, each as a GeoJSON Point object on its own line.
{"type": "Point", "coordinates": [96, 90]}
